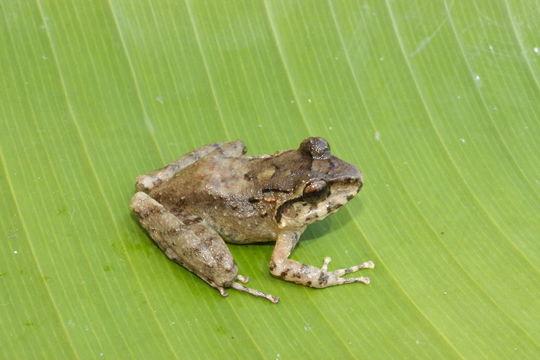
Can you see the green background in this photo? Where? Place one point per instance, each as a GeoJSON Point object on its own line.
{"type": "Point", "coordinates": [436, 101]}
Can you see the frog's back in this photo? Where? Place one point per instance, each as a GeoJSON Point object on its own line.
{"type": "Point", "coordinates": [216, 189]}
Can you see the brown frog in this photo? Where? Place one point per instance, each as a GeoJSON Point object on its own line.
{"type": "Point", "coordinates": [216, 194]}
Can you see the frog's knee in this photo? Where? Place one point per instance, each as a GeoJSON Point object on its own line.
{"type": "Point", "coordinates": [139, 201]}
{"type": "Point", "coordinates": [145, 207]}
{"type": "Point", "coordinates": [145, 183]}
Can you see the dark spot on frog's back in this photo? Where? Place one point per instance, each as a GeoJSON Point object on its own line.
{"type": "Point", "coordinates": [173, 231]}
{"type": "Point", "coordinates": [349, 197]}
{"type": "Point", "coordinates": [267, 190]}
{"type": "Point", "coordinates": [147, 212]}
{"type": "Point", "coordinates": [192, 220]}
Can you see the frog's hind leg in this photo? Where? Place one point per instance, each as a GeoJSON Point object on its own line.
{"type": "Point", "coordinates": [188, 241]}
{"type": "Point", "coordinates": [150, 180]}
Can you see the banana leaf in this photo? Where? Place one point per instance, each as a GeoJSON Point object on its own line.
{"type": "Point", "coordinates": [437, 102]}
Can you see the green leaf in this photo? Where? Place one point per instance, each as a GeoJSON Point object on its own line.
{"type": "Point", "coordinates": [436, 101]}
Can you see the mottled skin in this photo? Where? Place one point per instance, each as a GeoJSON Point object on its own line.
{"type": "Point", "coordinates": [217, 193]}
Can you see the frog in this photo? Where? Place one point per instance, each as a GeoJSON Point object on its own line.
{"type": "Point", "coordinates": [217, 194]}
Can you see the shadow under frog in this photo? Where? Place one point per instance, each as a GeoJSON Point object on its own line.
{"type": "Point", "coordinates": [216, 194]}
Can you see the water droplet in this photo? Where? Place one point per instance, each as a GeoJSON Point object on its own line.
{"type": "Point", "coordinates": [309, 100]}
{"type": "Point", "coordinates": [160, 99]}
{"type": "Point", "coordinates": [377, 135]}
{"type": "Point", "coordinates": [307, 327]}
{"type": "Point", "coordinates": [15, 252]}
{"type": "Point", "coordinates": [381, 58]}
{"type": "Point", "coordinates": [330, 128]}
{"type": "Point", "coordinates": [477, 80]}
{"type": "Point", "coordinates": [292, 101]}
{"type": "Point", "coordinates": [149, 124]}
{"type": "Point", "coordinates": [491, 48]}
{"type": "Point", "coordinates": [462, 140]}
{"type": "Point", "coordinates": [537, 50]}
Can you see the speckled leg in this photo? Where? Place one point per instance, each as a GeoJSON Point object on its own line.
{"type": "Point", "coordinates": [294, 271]}
{"type": "Point", "coordinates": [150, 180]}
{"type": "Point", "coordinates": [188, 241]}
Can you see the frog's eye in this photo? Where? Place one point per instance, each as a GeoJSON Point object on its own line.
{"type": "Point", "coordinates": [315, 188]}
{"type": "Point", "coordinates": [315, 147]}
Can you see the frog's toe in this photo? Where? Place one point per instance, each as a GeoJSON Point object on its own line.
{"type": "Point", "coordinates": [222, 291]}
{"type": "Point", "coordinates": [361, 279]}
{"type": "Point", "coordinates": [254, 292]}
{"type": "Point", "coordinates": [326, 261]}
{"type": "Point", "coordinates": [242, 279]}
{"type": "Point", "coordinates": [365, 265]}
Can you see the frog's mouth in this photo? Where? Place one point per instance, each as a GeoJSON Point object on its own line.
{"type": "Point", "coordinates": [302, 211]}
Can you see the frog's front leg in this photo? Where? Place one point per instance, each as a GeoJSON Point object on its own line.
{"type": "Point", "coordinates": [187, 240]}
{"type": "Point", "coordinates": [294, 271]}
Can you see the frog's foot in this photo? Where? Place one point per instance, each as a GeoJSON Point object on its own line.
{"type": "Point", "coordinates": [330, 278]}
{"type": "Point", "coordinates": [241, 287]}
{"type": "Point", "coordinates": [253, 292]}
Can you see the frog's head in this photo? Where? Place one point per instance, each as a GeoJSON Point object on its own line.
{"type": "Point", "coordinates": [325, 187]}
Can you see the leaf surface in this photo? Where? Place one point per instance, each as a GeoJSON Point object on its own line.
{"type": "Point", "coordinates": [436, 101]}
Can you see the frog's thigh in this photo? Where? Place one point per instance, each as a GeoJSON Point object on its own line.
{"type": "Point", "coordinates": [148, 181]}
{"type": "Point", "coordinates": [187, 241]}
